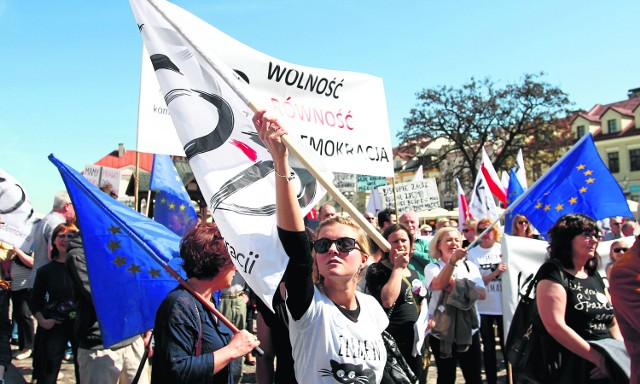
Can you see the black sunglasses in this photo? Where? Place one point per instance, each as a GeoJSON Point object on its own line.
{"type": "Point", "coordinates": [618, 250]}
{"type": "Point", "coordinates": [343, 244]}
{"type": "Point", "coordinates": [523, 222]}
{"type": "Point", "coordinates": [467, 230]}
{"type": "Point", "coordinates": [480, 230]}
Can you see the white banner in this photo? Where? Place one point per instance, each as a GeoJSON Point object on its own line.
{"type": "Point", "coordinates": [524, 257]}
{"type": "Point", "coordinates": [235, 172]}
{"type": "Point", "coordinates": [156, 133]}
{"type": "Point", "coordinates": [98, 175]}
{"type": "Point", "coordinates": [340, 115]}
{"type": "Point", "coordinates": [16, 213]}
{"type": "Point", "coordinates": [412, 196]}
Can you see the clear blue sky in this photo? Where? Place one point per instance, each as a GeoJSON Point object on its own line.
{"type": "Point", "coordinates": [70, 69]}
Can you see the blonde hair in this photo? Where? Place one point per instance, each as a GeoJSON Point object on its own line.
{"type": "Point", "coordinates": [434, 244]}
{"type": "Point", "coordinates": [495, 229]}
{"type": "Point", "coordinates": [361, 238]}
{"type": "Point", "coordinates": [514, 226]}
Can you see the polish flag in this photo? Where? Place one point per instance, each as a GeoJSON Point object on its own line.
{"type": "Point", "coordinates": [492, 179]}
{"type": "Point", "coordinates": [463, 206]}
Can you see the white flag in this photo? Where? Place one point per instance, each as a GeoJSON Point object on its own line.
{"type": "Point", "coordinates": [482, 204]}
{"type": "Point", "coordinates": [520, 170]}
{"type": "Point", "coordinates": [208, 104]}
{"type": "Point", "coordinates": [340, 115]}
{"type": "Point", "coordinates": [419, 176]}
{"type": "Point", "coordinates": [16, 213]}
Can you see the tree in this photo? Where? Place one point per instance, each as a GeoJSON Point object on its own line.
{"type": "Point", "coordinates": [528, 115]}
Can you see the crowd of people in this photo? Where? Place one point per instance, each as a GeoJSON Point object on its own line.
{"type": "Point", "coordinates": [436, 292]}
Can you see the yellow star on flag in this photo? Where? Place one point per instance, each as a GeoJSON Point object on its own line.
{"type": "Point", "coordinates": [573, 200]}
{"type": "Point", "coordinates": [120, 261]}
{"type": "Point", "coordinates": [539, 205]}
{"type": "Point", "coordinates": [172, 206]}
{"type": "Point", "coordinates": [559, 207]}
{"type": "Point", "coordinates": [581, 167]}
{"type": "Point", "coordinates": [589, 172]}
{"type": "Point", "coordinates": [583, 189]}
{"type": "Point", "coordinates": [590, 180]}
{"type": "Point", "coordinates": [134, 269]}
{"type": "Point", "coordinates": [547, 207]}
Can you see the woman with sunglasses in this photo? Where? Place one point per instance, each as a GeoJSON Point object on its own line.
{"type": "Point", "coordinates": [618, 248]}
{"type": "Point", "coordinates": [53, 306]}
{"type": "Point", "coordinates": [443, 277]}
{"type": "Point", "coordinates": [335, 331]}
{"type": "Point", "coordinates": [574, 304]}
{"type": "Point", "coordinates": [400, 291]}
{"type": "Point", "coordinates": [522, 227]}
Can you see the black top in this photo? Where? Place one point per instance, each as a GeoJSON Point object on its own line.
{"type": "Point", "coordinates": [298, 273]}
{"type": "Point", "coordinates": [278, 324]}
{"type": "Point", "coordinates": [404, 312]}
{"type": "Point", "coordinates": [53, 292]}
{"type": "Point", "coordinates": [588, 311]}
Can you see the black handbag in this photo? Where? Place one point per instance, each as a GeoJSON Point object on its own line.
{"type": "Point", "coordinates": [396, 369]}
{"type": "Point", "coordinates": [527, 340]}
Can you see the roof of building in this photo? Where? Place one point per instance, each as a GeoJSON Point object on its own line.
{"type": "Point", "coordinates": [625, 107]}
{"type": "Point", "coordinates": [128, 158]}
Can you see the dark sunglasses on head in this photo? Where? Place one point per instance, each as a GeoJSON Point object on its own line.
{"type": "Point", "coordinates": [343, 244]}
{"type": "Point", "coordinates": [622, 249]}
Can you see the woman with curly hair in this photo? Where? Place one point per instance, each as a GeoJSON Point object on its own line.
{"type": "Point", "coordinates": [192, 344]}
{"type": "Point", "coordinates": [573, 303]}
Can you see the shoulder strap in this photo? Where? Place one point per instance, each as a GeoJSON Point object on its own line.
{"type": "Point", "coordinates": [199, 342]}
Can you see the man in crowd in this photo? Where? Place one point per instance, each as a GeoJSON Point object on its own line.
{"type": "Point", "coordinates": [420, 253]}
{"type": "Point", "coordinates": [386, 217]}
{"type": "Point", "coordinates": [371, 218]}
{"type": "Point", "coordinates": [97, 364]}
{"type": "Point", "coordinates": [326, 211]}
{"type": "Point", "coordinates": [62, 212]}
{"type": "Point", "coordinates": [629, 228]}
{"type": "Point", "coordinates": [615, 223]}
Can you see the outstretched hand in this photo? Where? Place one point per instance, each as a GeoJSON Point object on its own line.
{"type": "Point", "coordinates": [270, 132]}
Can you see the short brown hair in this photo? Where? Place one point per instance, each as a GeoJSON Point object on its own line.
{"type": "Point", "coordinates": [204, 252]}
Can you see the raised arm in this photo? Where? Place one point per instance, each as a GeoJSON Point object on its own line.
{"type": "Point", "coordinates": [289, 216]}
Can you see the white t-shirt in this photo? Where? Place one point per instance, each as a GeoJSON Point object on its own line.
{"type": "Point", "coordinates": [432, 270]}
{"type": "Point", "coordinates": [326, 344]}
{"type": "Point", "coordinates": [487, 260]}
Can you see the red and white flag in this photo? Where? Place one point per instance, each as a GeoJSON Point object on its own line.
{"type": "Point", "coordinates": [482, 205]}
{"type": "Point", "coordinates": [463, 206]}
{"type": "Point", "coordinates": [491, 177]}
{"type": "Point", "coordinates": [209, 105]}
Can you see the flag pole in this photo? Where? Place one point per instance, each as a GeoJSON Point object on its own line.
{"type": "Point", "coordinates": [531, 188]}
{"type": "Point", "coordinates": [229, 77]}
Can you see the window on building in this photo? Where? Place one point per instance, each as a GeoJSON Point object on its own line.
{"type": "Point", "coordinates": [612, 126]}
{"type": "Point", "coordinates": [580, 131]}
{"type": "Point", "coordinates": [634, 160]}
{"type": "Point", "coordinates": [614, 162]}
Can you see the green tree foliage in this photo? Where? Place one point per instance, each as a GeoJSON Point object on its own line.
{"type": "Point", "coordinates": [529, 114]}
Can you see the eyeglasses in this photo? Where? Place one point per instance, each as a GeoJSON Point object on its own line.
{"type": "Point", "coordinates": [343, 244]}
{"type": "Point", "coordinates": [590, 234]}
{"type": "Point", "coordinates": [614, 223]}
{"type": "Point", "coordinates": [622, 249]}
{"type": "Point", "coordinates": [465, 230]}
{"type": "Point", "coordinates": [523, 222]}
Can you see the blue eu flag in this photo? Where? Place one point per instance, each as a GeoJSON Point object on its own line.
{"type": "Point", "coordinates": [578, 183]}
{"type": "Point", "coordinates": [125, 253]}
{"type": "Point", "coordinates": [513, 192]}
{"type": "Point", "coordinates": [173, 207]}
